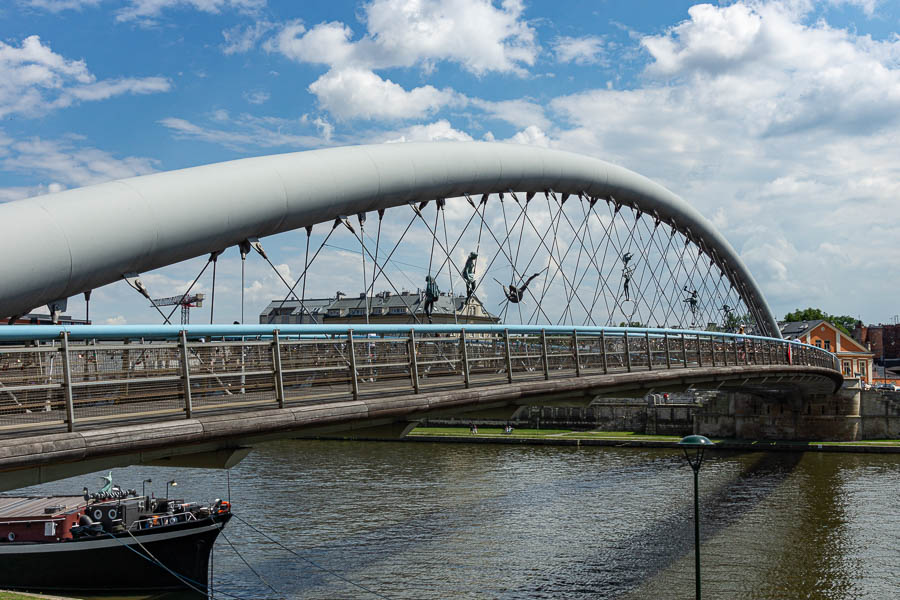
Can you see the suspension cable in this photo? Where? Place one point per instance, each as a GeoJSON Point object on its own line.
{"type": "Point", "coordinates": [306, 269]}
{"type": "Point", "coordinates": [212, 304]}
{"type": "Point", "coordinates": [309, 229]}
{"type": "Point", "coordinates": [361, 217]}
{"type": "Point", "coordinates": [449, 271]}
{"type": "Point", "coordinates": [185, 295]}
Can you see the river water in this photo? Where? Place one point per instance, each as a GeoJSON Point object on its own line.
{"type": "Point", "coordinates": [416, 520]}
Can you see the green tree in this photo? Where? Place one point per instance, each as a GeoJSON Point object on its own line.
{"type": "Point", "coordinates": [843, 322]}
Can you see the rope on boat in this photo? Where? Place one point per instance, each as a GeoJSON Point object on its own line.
{"type": "Point", "coordinates": [254, 571]}
{"type": "Point", "coordinates": [303, 558]}
{"type": "Point", "coordinates": [194, 585]}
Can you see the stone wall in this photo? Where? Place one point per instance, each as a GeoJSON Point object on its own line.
{"type": "Point", "coordinates": [849, 415]}
{"type": "Point", "coordinates": [880, 413]}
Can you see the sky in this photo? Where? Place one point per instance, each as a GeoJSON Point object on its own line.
{"type": "Point", "coordinates": [778, 120]}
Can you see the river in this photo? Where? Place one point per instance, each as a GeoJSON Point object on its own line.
{"type": "Point", "coordinates": [416, 520]}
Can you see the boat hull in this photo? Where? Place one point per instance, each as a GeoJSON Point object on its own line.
{"type": "Point", "coordinates": [106, 564]}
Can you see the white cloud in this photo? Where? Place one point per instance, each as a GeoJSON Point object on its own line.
{"type": "Point", "coordinates": [256, 97]}
{"type": "Point", "coordinates": [779, 127]}
{"type": "Point", "coordinates": [247, 131]}
{"type": "Point", "coordinates": [532, 136]}
{"type": "Point", "coordinates": [360, 94]}
{"type": "Point", "coordinates": [61, 5]}
{"type": "Point", "coordinates": [117, 320]}
{"type": "Point", "coordinates": [35, 80]}
{"type": "Point", "coordinates": [585, 50]}
{"type": "Point", "coordinates": [439, 131]}
{"type": "Point", "coordinates": [147, 11]}
{"type": "Point", "coordinates": [242, 39]}
{"type": "Point", "coordinates": [65, 162]}
{"type": "Point", "coordinates": [476, 34]}
{"type": "Point", "coordinates": [519, 113]}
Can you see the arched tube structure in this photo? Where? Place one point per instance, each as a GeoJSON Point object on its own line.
{"type": "Point", "coordinates": [59, 245]}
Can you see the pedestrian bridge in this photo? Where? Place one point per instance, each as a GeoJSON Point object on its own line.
{"type": "Point", "coordinates": [557, 247]}
{"type": "Point", "coordinates": [140, 393]}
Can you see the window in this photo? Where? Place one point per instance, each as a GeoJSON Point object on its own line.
{"type": "Point", "coordinates": [357, 312]}
{"type": "Point", "coordinates": [818, 343]}
{"type": "Point", "coordinates": [847, 368]}
{"type": "Point", "coordinates": [861, 369]}
{"type": "Point", "coordinates": [398, 310]}
{"type": "Point", "coordinates": [828, 345]}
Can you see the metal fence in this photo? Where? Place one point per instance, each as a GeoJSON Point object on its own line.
{"type": "Point", "coordinates": [52, 376]}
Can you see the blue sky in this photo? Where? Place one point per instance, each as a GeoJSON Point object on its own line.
{"type": "Point", "coordinates": [778, 120]}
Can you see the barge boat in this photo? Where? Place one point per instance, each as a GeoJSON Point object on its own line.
{"type": "Point", "coordinates": [112, 541]}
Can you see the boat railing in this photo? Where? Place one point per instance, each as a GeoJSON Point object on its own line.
{"type": "Point", "coordinates": [162, 520]}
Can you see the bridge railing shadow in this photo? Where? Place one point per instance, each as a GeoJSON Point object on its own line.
{"type": "Point", "coordinates": [65, 377]}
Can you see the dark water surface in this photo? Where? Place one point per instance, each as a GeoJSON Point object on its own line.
{"type": "Point", "coordinates": [412, 520]}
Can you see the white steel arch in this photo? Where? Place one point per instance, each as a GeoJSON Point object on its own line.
{"type": "Point", "coordinates": [59, 245]}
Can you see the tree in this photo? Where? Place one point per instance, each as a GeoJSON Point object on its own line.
{"type": "Point", "coordinates": [843, 322]}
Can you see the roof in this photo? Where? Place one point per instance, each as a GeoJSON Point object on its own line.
{"type": "Point", "coordinates": [795, 329]}
{"type": "Point", "coordinates": [414, 301]}
{"type": "Point", "coordinates": [798, 329]}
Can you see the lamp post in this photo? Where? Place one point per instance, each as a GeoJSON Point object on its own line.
{"type": "Point", "coordinates": [173, 483]}
{"type": "Point", "coordinates": [694, 446]}
{"type": "Point", "coordinates": [143, 486]}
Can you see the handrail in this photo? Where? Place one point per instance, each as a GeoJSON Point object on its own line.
{"type": "Point", "coordinates": [231, 366]}
{"type": "Point", "coordinates": [193, 332]}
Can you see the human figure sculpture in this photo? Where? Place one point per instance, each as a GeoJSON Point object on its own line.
{"type": "Point", "coordinates": [432, 292]}
{"type": "Point", "coordinates": [627, 273]}
{"type": "Point", "coordinates": [468, 274]}
{"type": "Point", "coordinates": [692, 301]}
{"type": "Point", "coordinates": [515, 294]}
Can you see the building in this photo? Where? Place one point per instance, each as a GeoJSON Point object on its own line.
{"type": "Point", "coordinates": [855, 358]}
{"type": "Point", "coordinates": [384, 307]}
{"type": "Point", "coordinates": [882, 340]}
{"type": "Point", "coordinates": [44, 319]}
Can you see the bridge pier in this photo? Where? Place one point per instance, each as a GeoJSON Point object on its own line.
{"type": "Point", "coordinates": [782, 416]}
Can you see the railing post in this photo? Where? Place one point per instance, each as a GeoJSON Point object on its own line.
{"type": "Point", "coordinates": [627, 353]}
{"type": "Point", "coordinates": [67, 382]}
{"type": "Point", "coordinates": [545, 358]}
{"type": "Point", "coordinates": [603, 352]}
{"type": "Point", "coordinates": [276, 364]}
{"type": "Point", "coordinates": [649, 355]}
{"type": "Point", "coordinates": [508, 355]}
{"type": "Point", "coordinates": [465, 356]}
{"type": "Point", "coordinates": [734, 344]}
{"type": "Point", "coordinates": [413, 363]}
{"type": "Point", "coordinates": [186, 374]}
{"type": "Point", "coordinates": [699, 351]}
{"type": "Point", "coordinates": [354, 381]}
{"type": "Point", "coordinates": [668, 354]}
{"type": "Point", "coordinates": [576, 353]}
{"type": "Point", "coordinates": [712, 349]}
{"type": "Point", "coordinates": [684, 351]}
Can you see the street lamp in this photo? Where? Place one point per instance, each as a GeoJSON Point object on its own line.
{"type": "Point", "coordinates": [174, 483]}
{"type": "Point", "coordinates": [694, 446]}
{"type": "Point", "coordinates": [143, 486]}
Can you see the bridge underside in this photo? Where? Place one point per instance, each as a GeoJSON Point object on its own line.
{"type": "Point", "coordinates": [220, 440]}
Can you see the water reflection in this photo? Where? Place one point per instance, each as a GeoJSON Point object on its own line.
{"type": "Point", "coordinates": [481, 521]}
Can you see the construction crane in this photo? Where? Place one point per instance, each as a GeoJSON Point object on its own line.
{"type": "Point", "coordinates": [187, 302]}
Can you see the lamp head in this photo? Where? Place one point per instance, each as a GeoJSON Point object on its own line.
{"type": "Point", "coordinates": [693, 446]}
{"type": "Point", "coordinates": [173, 483]}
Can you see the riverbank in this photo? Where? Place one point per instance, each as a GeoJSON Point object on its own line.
{"type": "Point", "coordinates": [5, 595]}
{"type": "Point", "coordinates": [626, 439]}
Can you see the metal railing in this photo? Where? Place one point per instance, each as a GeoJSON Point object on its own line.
{"type": "Point", "coordinates": [54, 376]}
